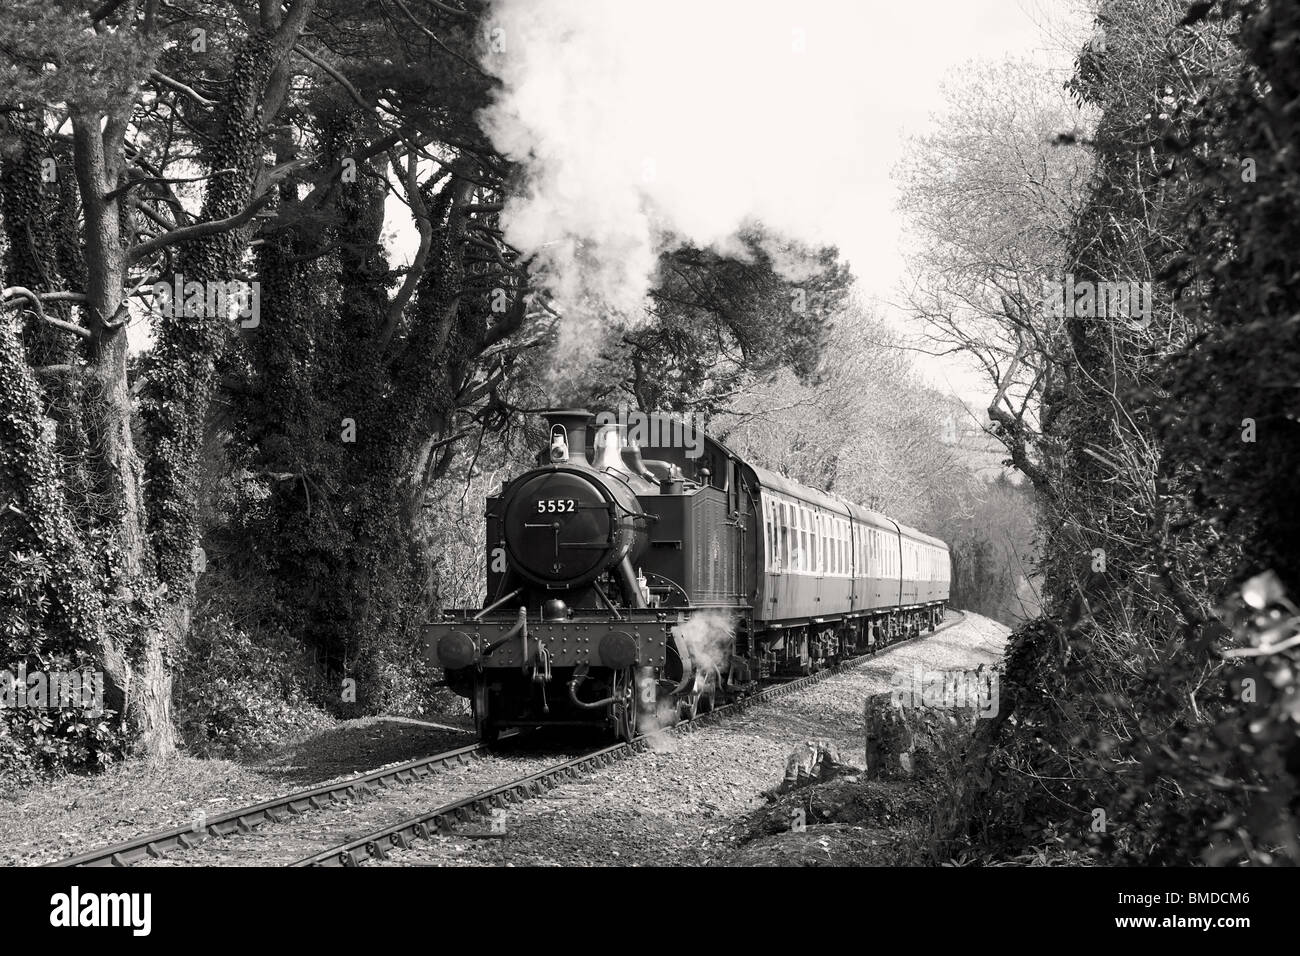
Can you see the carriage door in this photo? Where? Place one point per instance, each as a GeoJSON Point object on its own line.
{"type": "Point", "coordinates": [773, 533]}
{"type": "Point", "coordinates": [741, 526]}
{"type": "Point", "coordinates": [819, 538]}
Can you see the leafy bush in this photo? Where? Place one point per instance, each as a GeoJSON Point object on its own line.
{"type": "Point", "coordinates": [37, 742]}
{"type": "Point", "coordinates": [235, 694]}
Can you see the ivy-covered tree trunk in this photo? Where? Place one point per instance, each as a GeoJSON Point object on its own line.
{"type": "Point", "coordinates": [62, 613]}
{"type": "Point", "coordinates": [187, 347]}
{"type": "Point", "coordinates": [96, 140]}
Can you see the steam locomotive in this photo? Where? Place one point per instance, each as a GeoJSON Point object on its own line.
{"type": "Point", "coordinates": [637, 576]}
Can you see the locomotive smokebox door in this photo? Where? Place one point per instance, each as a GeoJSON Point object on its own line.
{"type": "Point", "coordinates": [559, 528]}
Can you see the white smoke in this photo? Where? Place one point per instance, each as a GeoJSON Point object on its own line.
{"type": "Point", "coordinates": [710, 636]}
{"type": "Point", "coordinates": [643, 125]}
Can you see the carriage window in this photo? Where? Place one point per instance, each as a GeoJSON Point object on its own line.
{"type": "Point", "coordinates": [815, 529]}
{"type": "Point", "coordinates": [825, 549]}
{"type": "Point", "coordinates": [792, 538]}
{"type": "Point", "coordinates": [767, 533]}
{"type": "Point", "coordinates": [788, 540]}
{"type": "Point", "coordinates": [823, 543]}
{"type": "Point", "coordinates": [783, 535]}
{"type": "Point", "coordinates": [830, 544]}
{"type": "Point", "coordinates": [810, 522]}
{"type": "Point", "coordinates": [792, 556]}
{"type": "Point", "coordinates": [774, 524]}
{"type": "Point", "coordinates": [809, 551]}
{"type": "Point", "coordinates": [778, 515]}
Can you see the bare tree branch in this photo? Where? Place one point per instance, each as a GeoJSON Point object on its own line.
{"type": "Point", "coordinates": [10, 296]}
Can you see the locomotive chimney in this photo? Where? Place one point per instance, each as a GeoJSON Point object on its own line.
{"type": "Point", "coordinates": [568, 435]}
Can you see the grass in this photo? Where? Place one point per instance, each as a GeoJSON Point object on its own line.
{"type": "Point", "coordinates": [66, 815]}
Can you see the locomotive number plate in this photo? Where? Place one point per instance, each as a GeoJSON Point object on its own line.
{"type": "Point", "coordinates": [551, 505]}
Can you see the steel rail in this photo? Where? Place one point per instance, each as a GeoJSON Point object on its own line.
{"type": "Point", "coordinates": [275, 810]}
{"type": "Point", "coordinates": [403, 833]}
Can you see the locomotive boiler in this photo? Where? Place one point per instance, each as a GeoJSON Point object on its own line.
{"type": "Point", "coordinates": [635, 575]}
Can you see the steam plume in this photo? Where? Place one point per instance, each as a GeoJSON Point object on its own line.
{"type": "Point", "coordinates": [640, 126]}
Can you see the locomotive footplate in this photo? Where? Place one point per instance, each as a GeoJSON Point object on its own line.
{"type": "Point", "coordinates": [511, 639]}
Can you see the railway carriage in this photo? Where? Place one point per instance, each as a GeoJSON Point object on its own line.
{"type": "Point", "coordinates": [632, 583]}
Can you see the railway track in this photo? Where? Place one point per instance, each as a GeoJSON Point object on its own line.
{"type": "Point", "coordinates": [275, 810]}
{"type": "Point", "coordinates": [377, 844]}
{"type": "Point", "coordinates": [402, 833]}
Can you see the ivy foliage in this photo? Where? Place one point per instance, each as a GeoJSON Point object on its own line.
{"type": "Point", "coordinates": [1152, 716]}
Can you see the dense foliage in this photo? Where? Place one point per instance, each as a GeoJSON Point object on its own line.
{"type": "Point", "coordinates": [1149, 715]}
{"type": "Point", "coordinates": [244, 506]}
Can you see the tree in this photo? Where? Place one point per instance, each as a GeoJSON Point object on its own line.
{"type": "Point", "coordinates": [990, 198]}
{"type": "Point", "coordinates": [715, 324]}
{"type": "Point", "coordinates": [1118, 698]}
{"type": "Point", "coordinates": [105, 84]}
{"type": "Point", "coordinates": [343, 425]}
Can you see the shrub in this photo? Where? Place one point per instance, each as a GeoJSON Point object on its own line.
{"type": "Point", "coordinates": [38, 742]}
{"type": "Point", "coordinates": [235, 694]}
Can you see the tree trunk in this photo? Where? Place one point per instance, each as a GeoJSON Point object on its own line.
{"type": "Point", "coordinates": [147, 702]}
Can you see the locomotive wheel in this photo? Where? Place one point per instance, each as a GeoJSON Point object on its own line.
{"type": "Point", "coordinates": [691, 705]}
{"type": "Point", "coordinates": [697, 702]}
{"type": "Point", "coordinates": [687, 706]}
{"type": "Point", "coordinates": [628, 712]}
{"type": "Point", "coordinates": [487, 731]}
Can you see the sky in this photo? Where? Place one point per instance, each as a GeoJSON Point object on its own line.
{"type": "Point", "coordinates": [643, 125]}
